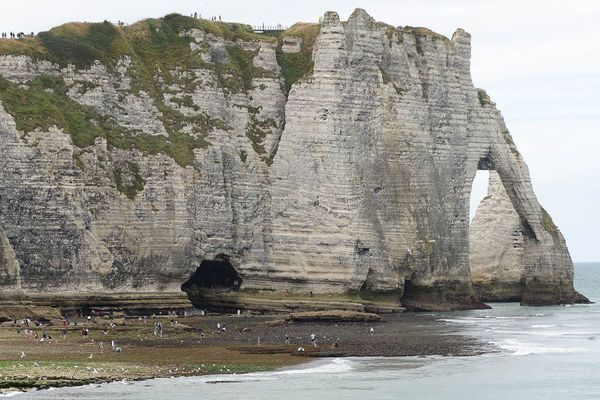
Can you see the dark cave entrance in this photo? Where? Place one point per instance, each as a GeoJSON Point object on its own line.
{"type": "Point", "coordinates": [214, 274]}
{"type": "Point", "coordinates": [410, 297]}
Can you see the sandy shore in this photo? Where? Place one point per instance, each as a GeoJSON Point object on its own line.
{"type": "Point", "coordinates": [194, 346]}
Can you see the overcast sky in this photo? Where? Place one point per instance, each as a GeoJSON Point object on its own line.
{"type": "Point", "coordinates": [538, 60]}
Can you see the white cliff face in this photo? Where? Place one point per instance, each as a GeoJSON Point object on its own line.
{"type": "Point", "coordinates": [10, 273]}
{"type": "Point", "coordinates": [357, 180]}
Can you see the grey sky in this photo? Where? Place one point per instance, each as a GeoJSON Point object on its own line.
{"type": "Point", "coordinates": [538, 60]}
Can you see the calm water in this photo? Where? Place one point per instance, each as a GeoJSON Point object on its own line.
{"type": "Point", "coordinates": [545, 353]}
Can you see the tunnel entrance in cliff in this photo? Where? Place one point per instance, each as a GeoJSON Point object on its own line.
{"type": "Point", "coordinates": [217, 274]}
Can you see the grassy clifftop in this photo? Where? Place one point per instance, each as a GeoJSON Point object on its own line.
{"type": "Point", "coordinates": [156, 48]}
{"type": "Point", "coordinates": [81, 44]}
{"type": "Point", "coordinates": [154, 44]}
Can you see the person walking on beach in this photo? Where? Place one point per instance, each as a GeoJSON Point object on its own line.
{"type": "Point", "coordinates": [218, 327]}
{"type": "Point", "coordinates": [371, 330]}
{"type": "Point", "coordinates": [287, 339]}
{"type": "Point", "coordinates": [313, 339]}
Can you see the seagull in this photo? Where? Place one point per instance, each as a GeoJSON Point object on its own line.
{"type": "Point", "coordinates": [91, 355]}
{"type": "Point", "coordinates": [22, 354]}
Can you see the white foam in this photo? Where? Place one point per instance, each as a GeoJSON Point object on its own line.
{"type": "Point", "coordinates": [333, 366]}
{"type": "Point", "coordinates": [483, 320]}
{"type": "Point", "coordinates": [10, 394]}
{"type": "Point", "coordinates": [519, 348]}
{"type": "Point", "coordinates": [336, 365]}
{"type": "Point", "coordinates": [461, 321]}
{"type": "Point", "coordinates": [548, 333]}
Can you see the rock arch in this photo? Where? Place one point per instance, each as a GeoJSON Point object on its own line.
{"type": "Point", "coordinates": [516, 253]}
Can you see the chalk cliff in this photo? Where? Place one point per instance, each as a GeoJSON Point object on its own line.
{"type": "Point", "coordinates": [328, 159]}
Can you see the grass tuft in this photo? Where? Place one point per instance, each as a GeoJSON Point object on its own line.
{"type": "Point", "coordinates": [128, 180]}
{"type": "Point", "coordinates": [548, 223]}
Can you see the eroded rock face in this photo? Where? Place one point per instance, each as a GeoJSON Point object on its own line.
{"type": "Point", "coordinates": [356, 181]}
{"type": "Point", "coordinates": [497, 247]}
{"type": "Point", "coordinates": [508, 263]}
{"type": "Point", "coordinates": [10, 274]}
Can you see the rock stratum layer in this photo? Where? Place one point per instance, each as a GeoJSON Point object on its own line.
{"type": "Point", "coordinates": [327, 159]}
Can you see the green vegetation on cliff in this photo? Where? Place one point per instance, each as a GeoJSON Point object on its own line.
{"type": "Point", "coordinates": [295, 66]}
{"type": "Point", "coordinates": [154, 54]}
{"type": "Point", "coordinates": [418, 32]}
{"type": "Point", "coordinates": [256, 131]}
{"type": "Point", "coordinates": [128, 180]}
{"type": "Point", "coordinates": [155, 48]}
{"type": "Point", "coordinates": [547, 222]}
{"type": "Point", "coordinates": [157, 42]}
{"type": "Point", "coordinates": [45, 103]}
{"type": "Point", "coordinates": [484, 98]}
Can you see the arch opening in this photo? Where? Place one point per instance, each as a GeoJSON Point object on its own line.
{"type": "Point", "coordinates": [479, 190]}
{"type": "Point", "coordinates": [497, 238]}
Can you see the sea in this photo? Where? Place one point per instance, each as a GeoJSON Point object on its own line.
{"type": "Point", "coordinates": [541, 353]}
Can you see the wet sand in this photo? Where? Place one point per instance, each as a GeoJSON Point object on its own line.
{"type": "Point", "coordinates": [409, 334]}
{"type": "Point", "coordinates": [194, 346]}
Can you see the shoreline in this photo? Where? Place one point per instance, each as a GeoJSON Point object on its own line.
{"type": "Point", "coordinates": [192, 346]}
